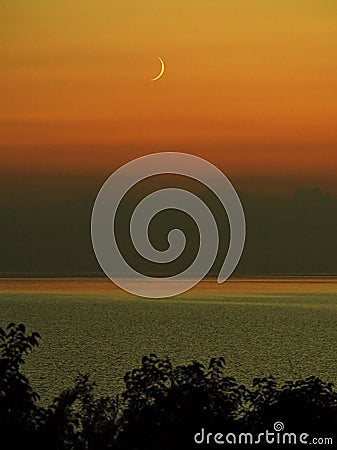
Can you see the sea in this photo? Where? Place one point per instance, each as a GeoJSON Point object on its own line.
{"type": "Point", "coordinates": [284, 326]}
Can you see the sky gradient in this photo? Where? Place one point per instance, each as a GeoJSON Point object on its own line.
{"type": "Point", "coordinates": [250, 85]}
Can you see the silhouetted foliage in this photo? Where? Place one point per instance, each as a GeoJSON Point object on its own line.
{"type": "Point", "coordinates": [162, 406]}
{"type": "Point", "coordinates": [19, 413]}
{"type": "Point", "coordinates": [163, 402]}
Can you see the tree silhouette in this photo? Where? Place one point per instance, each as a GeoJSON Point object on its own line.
{"type": "Point", "coordinates": [19, 413]}
{"type": "Point", "coordinates": [162, 406]}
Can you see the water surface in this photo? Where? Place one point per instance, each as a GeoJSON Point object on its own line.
{"type": "Point", "coordinates": [282, 326]}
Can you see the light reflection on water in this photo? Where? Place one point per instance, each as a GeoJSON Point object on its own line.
{"type": "Point", "coordinates": [286, 327]}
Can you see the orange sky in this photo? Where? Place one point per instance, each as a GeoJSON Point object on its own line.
{"type": "Point", "coordinates": [250, 84]}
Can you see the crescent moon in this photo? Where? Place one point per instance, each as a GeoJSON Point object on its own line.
{"type": "Point", "coordinates": [162, 70]}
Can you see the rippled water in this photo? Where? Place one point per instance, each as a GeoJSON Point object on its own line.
{"type": "Point", "coordinates": [286, 327]}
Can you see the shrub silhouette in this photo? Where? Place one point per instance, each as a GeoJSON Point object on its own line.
{"type": "Point", "coordinates": [162, 406]}
{"type": "Point", "coordinates": [308, 404]}
{"type": "Point", "coordinates": [19, 413]}
{"type": "Point", "coordinates": [77, 419]}
{"type": "Point", "coordinates": [165, 405]}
